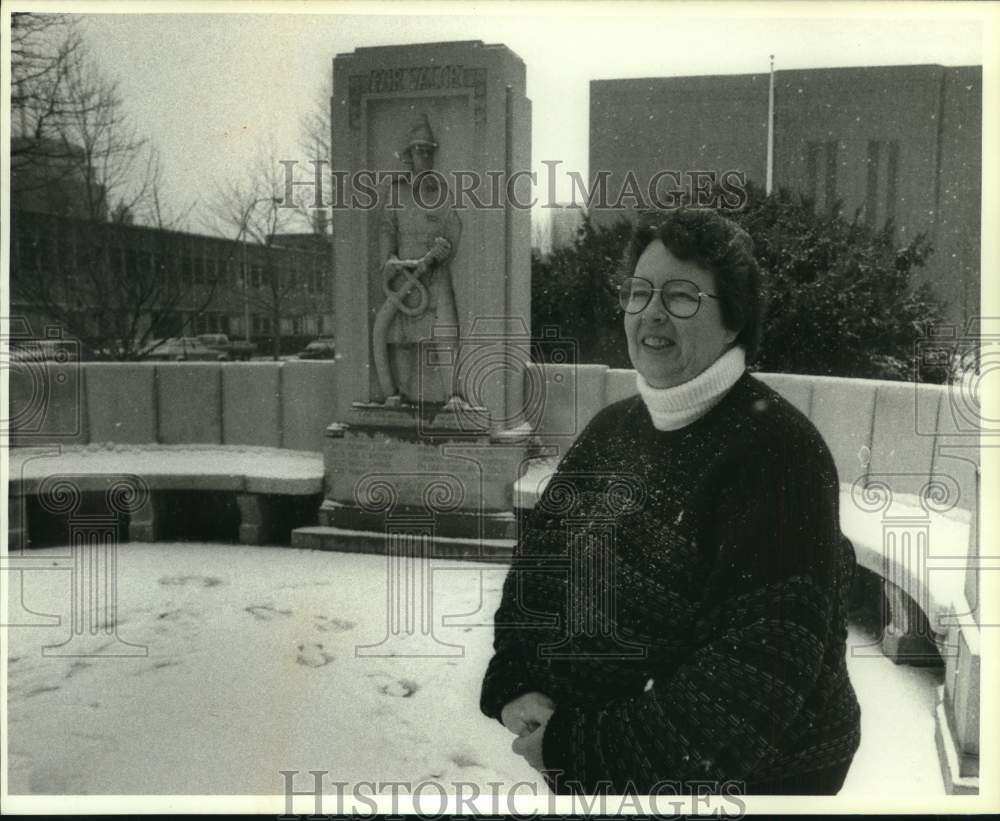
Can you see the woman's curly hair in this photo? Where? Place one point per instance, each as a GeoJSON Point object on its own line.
{"type": "Point", "coordinates": [721, 247]}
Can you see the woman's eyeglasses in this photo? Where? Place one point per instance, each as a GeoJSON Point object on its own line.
{"type": "Point", "coordinates": [680, 297]}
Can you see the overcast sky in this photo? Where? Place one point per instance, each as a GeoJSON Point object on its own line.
{"type": "Point", "coordinates": [209, 87]}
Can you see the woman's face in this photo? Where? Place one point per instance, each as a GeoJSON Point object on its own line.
{"type": "Point", "coordinates": [664, 349]}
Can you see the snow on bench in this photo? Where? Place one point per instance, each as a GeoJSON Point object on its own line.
{"type": "Point", "coordinates": [134, 476]}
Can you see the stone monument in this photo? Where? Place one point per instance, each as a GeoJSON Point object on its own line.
{"type": "Point", "coordinates": [431, 143]}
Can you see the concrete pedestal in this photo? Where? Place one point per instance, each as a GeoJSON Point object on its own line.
{"type": "Point", "coordinates": [413, 473]}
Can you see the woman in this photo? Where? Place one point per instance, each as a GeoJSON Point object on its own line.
{"type": "Point", "coordinates": [693, 629]}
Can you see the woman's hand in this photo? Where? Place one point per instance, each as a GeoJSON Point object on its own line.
{"type": "Point", "coordinates": [529, 747]}
{"type": "Point", "coordinates": [525, 714]}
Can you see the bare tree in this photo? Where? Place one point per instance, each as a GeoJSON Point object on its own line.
{"type": "Point", "coordinates": [109, 287]}
{"type": "Point", "coordinates": [314, 142]}
{"type": "Point", "coordinates": [41, 48]}
{"type": "Point", "coordinates": [44, 47]}
{"type": "Point", "coordinates": [314, 125]}
{"type": "Point", "coordinates": [252, 210]}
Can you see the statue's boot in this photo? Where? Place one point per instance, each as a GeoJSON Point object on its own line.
{"type": "Point", "coordinates": [456, 403]}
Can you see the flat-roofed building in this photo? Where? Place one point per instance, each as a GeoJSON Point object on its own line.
{"type": "Point", "coordinates": [891, 142]}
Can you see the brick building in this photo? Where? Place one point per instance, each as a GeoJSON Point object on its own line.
{"type": "Point", "coordinates": [200, 277]}
{"type": "Point", "coordinates": [897, 142]}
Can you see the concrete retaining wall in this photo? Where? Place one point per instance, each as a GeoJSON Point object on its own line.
{"type": "Point", "coordinates": [273, 404]}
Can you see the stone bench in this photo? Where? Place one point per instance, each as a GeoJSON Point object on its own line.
{"type": "Point", "coordinates": [252, 429]}
{"type": "Point", "coordinates": [138, 476]}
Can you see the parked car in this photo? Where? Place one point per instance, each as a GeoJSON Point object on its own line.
{"type": "Point", "coordinates": [181, 349]}
{"type": "Point", "coordinates": [232, 349]}
{"type": "Point", "coordinates": [322, 347]}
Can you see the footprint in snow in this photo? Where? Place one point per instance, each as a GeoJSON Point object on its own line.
{"type": "Point", "coordinates": [177, 613]}
{"type": "Point", "coordinates": [161, 664]}
{"type": "Point", "coordinates": [75, 668]}
{"type": "Point", "coordinates": [266, 612]}
{"type": "Point", "coordinates": [37, 691]}
{"type": "Point", "coordinates": [404, 688]}
{"type": "Point", "coordinates": [312, 654]}
{"type": "Point", "coordinates": [465, 759]}
{"type": "Point", "coordinates": [325, 624]}
{"type": "Point", "coordinates": [200, 581]}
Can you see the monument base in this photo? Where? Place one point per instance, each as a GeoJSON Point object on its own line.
{"type": "Point", "coordinates": [429, 418]}
{"type": "Point", "coordinates": [496, 551]}
{"type": "Point", "coordinates": [401, 476]}
{"type": "Point", "coordinates": [459, 524]}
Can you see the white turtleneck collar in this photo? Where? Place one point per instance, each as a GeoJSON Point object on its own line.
{"type": "Point", "coordinates": [679, 406]}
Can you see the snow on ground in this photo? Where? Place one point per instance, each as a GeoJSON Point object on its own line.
{"type": "Point", "coordinates": [253, 667]}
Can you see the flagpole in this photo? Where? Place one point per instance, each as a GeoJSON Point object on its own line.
{"type": "Point", "coordinates": [770, 132]}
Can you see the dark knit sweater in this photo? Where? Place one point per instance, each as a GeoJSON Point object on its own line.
{"type": "Point", "coordinates": [707, 559]}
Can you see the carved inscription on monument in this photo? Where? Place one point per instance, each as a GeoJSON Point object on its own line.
{"type": "Point", "coordinates": [416, 78]}
{"type": "Point", "coordinates": [485, 475]}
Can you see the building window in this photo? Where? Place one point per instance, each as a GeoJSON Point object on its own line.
{"type": "Point", "coordinates": [168, 324]}
{"type": "Point", "coordinates": [880, 189]}
{"type": "Point", "coordinates": [117, 262]}
{"type": "Point", "coordinates": [89, 260]}
{"type": "Point", "coordinates": [315, 283]}
{"type": "Point", "coordinates": [261, 324]}
{"type": "Point", "coordinates": [133, 266]}
{"type": "Point", "coordinates": [831, 175]}
{"type": "Point", "coordinates": [821, 160]}
{"type": "Point", "coordinates": [211, 322]}
{"type": "Point", "coordinates": [892, 170]}
{"type": "Point", "coordinates": [168, 271]}
{"type": "Point", "coordinates": [66, 259]}
{"type": "Point", "coordinates": [29, 253]}
{"type": "Point", "coordinates": [812, 170]}
{"type": "Point", "coordinates": [871, 188]}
